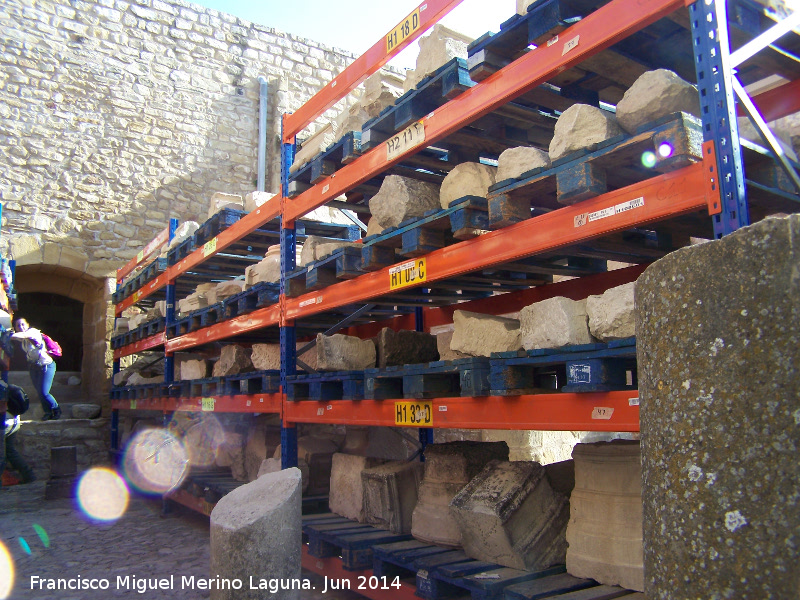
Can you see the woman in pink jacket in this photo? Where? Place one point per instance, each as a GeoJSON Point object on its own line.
{"type": "Point", "coordinates": [41, 366]}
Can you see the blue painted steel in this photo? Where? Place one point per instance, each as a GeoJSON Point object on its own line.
{"type": "Point", "coordinates": [173, 226]}
{"type": "Point", "coordinates": [425, 438]}
{"type": "Point", "coordinates": [717, 109]}
{"type": "Point", "coordinates": [115, 426]}
{"type": "Point", "coordinates": [288, 447]}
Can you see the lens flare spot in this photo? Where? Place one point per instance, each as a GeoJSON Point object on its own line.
{"type": "Point", "coordinates": [102, 494]}
{"type": "Point", "coordinates": [24, 545]}
{"type": "Point", "coordinates": [6, 572]}
{"type": "Point", "coordinates": [156, 461]}
{"type": "Point", "coordinates": [665, 150]}
{"type": "Point", "coordinates": [649, 159]}
{"type": "Point", "coordinates": [42, 534]}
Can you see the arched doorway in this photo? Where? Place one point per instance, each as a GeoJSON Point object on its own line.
{"type": "Point", "coordinates": [59, 317]}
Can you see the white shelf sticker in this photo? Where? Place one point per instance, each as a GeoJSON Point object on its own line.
{"type": "Point", "coordinates": [329, 407]}
{"type": "Point", "coordinates": [326, 187]}
{"type": "Point", "coordinates": [602, 413]}
{"type": "Point", "coordinates": [633, 402]}
{"type": "Point", "coordinates": [320, 412]}
{"type": "Point", "coordinates": [442, 409]}
{"type": "Point", "coordinates": [604, 213]}
{"type": "Point", "coordinates": [552, 41]}
{"type": "Point", "coordinates": [571, 44]}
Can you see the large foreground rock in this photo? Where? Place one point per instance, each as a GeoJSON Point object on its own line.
{"type": "Point", "coordinates": [605, 526]}
{"type": "Point", "coordinates": [653, 95]}
{"type": "Point", "coordinates": [340, 352]}
{"type": "Point", "coordinates": [554, 323]}
{"type": "Point", "coordinates": [466, 179]}
{"type": "Point", "coordinates": [611, 314]}
{"type": "Point", "coordinates": [405, 347]}
{"type": "Point", "coordinates": [401, 198]}
{"type": "Point", "coordinates": [581, 126]}
{"type": "Point", "coordinates": [477, 334]}
{"type": "Point", "coordinates": [717, 328]}
{"type": "Point", "coordinates": [255, 531]}
{"type": "Point", "coordinates": [448, 468]}
{"type": "Point", "coordinates": [508, 514]}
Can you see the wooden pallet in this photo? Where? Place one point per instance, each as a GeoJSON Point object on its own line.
{"type": "Point", "coordinates": [352, 541]}
{"type": "Point", "coordinates": [593, 171]}
{"type": "Point", "coordinates": [182, 250]}
{"type": "Point", "coordinates": [327, 162]}
{"type": "Point", "coordinates": [441, 379]}
{"type": "Point", "coordinates": [260, 295]}
{"type": "Point", "coordinates": [255, 382]}
{"type": "Point", "coordinates": [216, 224]}
{"type": "Point", "coordinates": [580, 368]}
{"type": "Point", "coordinates": [341, 385]}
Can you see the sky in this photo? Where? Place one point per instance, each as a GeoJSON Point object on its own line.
{"type": "Point", "coordinates": [356, 25]}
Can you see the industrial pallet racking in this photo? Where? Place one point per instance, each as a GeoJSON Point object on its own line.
{"type": "Point", "coordinates": [708, 198]}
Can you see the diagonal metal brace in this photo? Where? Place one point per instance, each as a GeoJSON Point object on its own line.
{"type": "Point", "coordinates": [341, 324]}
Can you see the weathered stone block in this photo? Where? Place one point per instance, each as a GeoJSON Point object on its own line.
{"type": "Point", "coordinates": [510, 515]}
{"type": "Point", "coordinates": [466, 179]}
{"type": "Point", "coordinates": [653, 95]}
{"type": "Point", "coordinates": [193, 369]}
{"type": "Point", "coordinates": [401, 198]}
{"type": "Point", "coordinates": [611, 314]}
{"type": "Point", "coordinates": [436, 49]}
{"type": "Point", "coordinates": [405, 347]}
{"type": "Point", "coordinates": [340, 352]}
{"type": "Point", "coordinates": [554, 323]}
{"type": "Point", "coordinates": [717, 329]}
{"type": "Point", "coordinates": [443, 341]}
{"type": "Point", "coordinates": [581, 126]}
{"type": "Point", "coordinates": [476, 334]}
{"type": "Point", "coordinates": [233, 360]}
{"type": "Point", "coordinates": [605, 526]}
{"type": "Point", "coordinates": [346, 493]}
{"type": "Point", "coordinates": [255, 199]}
{"type": "Point", "coordinates": [448, 468]}
{"type": "Point", "coordinates": [317, 453]}
{"type": "Point", "coordinates": [220, 201]}
{"type": "Point", "coordinates": [85, 411]}
{"type": "Point", "coordinates": [513, 162]}
{"type": "Point", "coordinates": [390, 494]}
{"type": "Point", "coordinates": [256, 529]}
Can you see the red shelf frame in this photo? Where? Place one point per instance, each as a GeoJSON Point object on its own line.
{"type": "Point", "coordinates": [258, 319]}
{"type": "Point", "coordinates": [240, 403]}
{"type": "Point", "coordinates": [546, 412]}
{"type": "Point", "coordinates": [154, 341]}
{"type": "Point", "coordinates": [154, 244]}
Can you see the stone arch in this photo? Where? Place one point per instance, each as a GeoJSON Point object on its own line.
{"type": "Point", "coordinates": [55, 268]}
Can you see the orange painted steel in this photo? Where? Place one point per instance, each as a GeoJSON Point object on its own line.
{"type": "Point", "coordinates": [373, 59]}
{"type": "Point", "coordinates": [546, 412]}
{"type": "Point", "coordinates": [158, 241]}
{"type": "Point", "coordinates": [244, 226]}
{"type": "Point", "coordinates": [200, 505]}
{"type": "Point", "coordinates": [597, 31]}
{"type": "Point", "coordinates": [146, 344]}
{"type": "Point", "coordinates": [776, 103]}
{"type": "Point", "coordinates": [667, 195]}
{"type": "Point", "coordinates": [334, 570]}
{"type": "Point", "coordinates": [252, 403]}
{"type": "Point", "coordinates": [263, 317]}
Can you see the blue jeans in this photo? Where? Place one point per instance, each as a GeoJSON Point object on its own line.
{"type": "Point", "coordinates": [42, 378]}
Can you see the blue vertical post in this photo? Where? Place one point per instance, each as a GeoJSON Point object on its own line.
{"type": "Point", "coordinates": [288, 337]}
{"type": "Point", "coordinates": [717, 110]}
{"type": "Point", "coordinates": [169, 359]}
{"type": "Point", "coordinates": [425, 433]}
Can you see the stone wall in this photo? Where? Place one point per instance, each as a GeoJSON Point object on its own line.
{"type": "Point", "coordinates": [117, 115]}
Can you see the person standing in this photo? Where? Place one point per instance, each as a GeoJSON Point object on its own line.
{"type": "Point", "coordinates": [12, 455]}
{"type": "Point", "coordinates": [41, 366]}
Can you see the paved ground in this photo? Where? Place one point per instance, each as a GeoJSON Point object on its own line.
{"type": "Point", "coordinates": [142, 543]}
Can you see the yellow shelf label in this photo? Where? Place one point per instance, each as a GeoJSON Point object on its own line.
{"type": "Point", "coordinates": [133, 404]}
{"type": "Point", "coordinates": [140, 257]}
{"type": "Point", "coordinates": [404, 29]}
{"type": "Point", "coordinates": [411, 136]}
{"type": "Point", "coordinates": [414, 414]}
{"type": "Point", "coordinates": [136, 295]}
{"type": "Point", "coordinates": [207, 404]}
{"type": "Point", "coordinates": [407, 273]}
{"type": "Point", "coordinates": [210, 247]}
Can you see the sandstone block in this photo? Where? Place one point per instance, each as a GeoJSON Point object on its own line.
{"type": "Point", "coordinates": [267, 357]}
{"type": "Point", "coordinates": [327, 248]}
{"type": "Point", "coordinates": [436, 49]}
{"type": "Point", "coordinates": [515, 161]}
{"type": "Point", "coordinates": [387, 443]}
{"type": "Point", "coordinates": [466, 179]}
{"type": "Point", "coordinates": [581, 126]}
{"type": "Point", "coordinates": [405, 347]}
{"type": "Point", "coordinates": [374, 228]}
{"type": "Point", "coordinates": [323, 137]}
{"type": "Point", "coordinates": [510, 515]}
{"type": "Point", "coordinates": [255, 199]}
{"type": "Point", "coordinates": [183, 232]}
{"type": "Point", "coordinates": [262, 439]}
{"type": "Point", "coordinates": [448, 468]}
{"type": "Point", "coordinates": [401, 198]}
{"type": "Point", "coordinates": [233, 360]}
{"type": "Point", "coordinates": [717, 326]}
{"type": "Point", "coordinates": [193, 369]}
{"type": "Point", "coordinates": [554, 323]}
{"type": "Point", "coordinates": [317, 453]}
{"type": "Point", "coordinates": [611, 314]}
{"type": "Point", "coordinates": [346, 493]}
{"type": "Point", "coordinates": [85, 411]}
{"type": "Point", "coordinates": [443, 341]}
{"type": "Point", "coordinates": [220, 201]}
{"type": "Point", "coordinates": [230, 453]}
{"type": "Point", "coordinates": [476, 334]}
{"type": "Point", "coordinates": [256, 529]}
{"type": "Point", "coordinates": [224, 290]}
{"type": "Point", "coordinates": [605, 526]}
{"type": "Point", "coordinates": [308, 254]}
{"type": "Point", "coordinates": [653, 95]}
{"type": "Point", "coordinates": [390, 494]}
{"type": "Point", "coordinates": [340, 352]}
{"type": "Point", "coordinates": [267, 269]}
{"type": "Point", "coordinates": [543, 447]}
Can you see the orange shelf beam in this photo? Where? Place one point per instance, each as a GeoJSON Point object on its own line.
{"type": "Point", "coordinates": [252, 403]}
{"type": "Point", "coordinates": [667, 195]}
{"type": "Point", "coordinates": [333, 569]}
{"type": "Point", "coordinates": [258, 319]}
{"type": "Point", "coordinates": [184, 498]}
{"type": "Point", "coordinates": [602, 28]}
{"type": "Point", "coordinates": [777, 102]}
{"type": "Point", "coordinates": [611, 411]}
{"type": "Point", "coordinates": [149, 288]}
{"type": "Point", "coordinates": [146, 344]}
{"type": "Point", "coordinates": [154, 244]}
{"type": "Point", "coordinates": [429, 12]}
